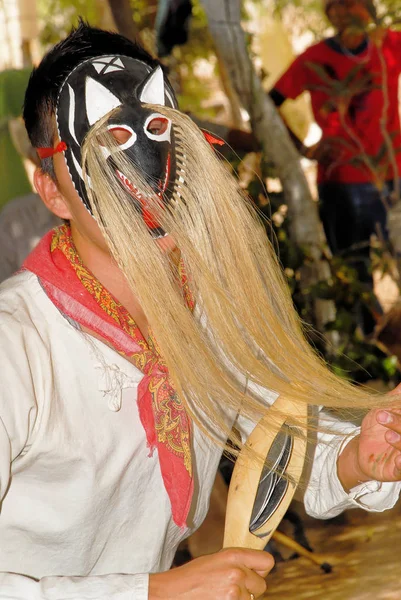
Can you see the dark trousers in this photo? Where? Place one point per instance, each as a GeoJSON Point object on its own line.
{"type": "Point", "coordinates": [351, 213]}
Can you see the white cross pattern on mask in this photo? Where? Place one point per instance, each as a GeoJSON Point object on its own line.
{"type": "Point", "coordinates": [108, 64]}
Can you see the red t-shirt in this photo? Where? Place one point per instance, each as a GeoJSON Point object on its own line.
{"type": "Point", "coordinates": [321, 70]}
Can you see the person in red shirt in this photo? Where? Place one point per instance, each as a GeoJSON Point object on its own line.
{"type": "Point", "coordinates": [353, 83]}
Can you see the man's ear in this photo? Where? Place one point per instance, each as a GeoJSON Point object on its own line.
{"type": "Point", "coordinates": [50, 194]}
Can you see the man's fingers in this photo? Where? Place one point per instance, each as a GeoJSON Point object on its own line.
{"type": "Point", "coordinates": [394, 438]}
{"type": "Point", "coordinates": [264, 574]}
{"type": "Point", "coordinates": [254, 583]}
{"type": "Point", "coordinates": [247, 570]}
{"type": "Point", "coordinates": [257, 560]}
{"type": "Point", "coordinates": [391, 420]}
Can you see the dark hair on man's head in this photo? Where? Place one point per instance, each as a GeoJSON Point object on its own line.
{"type": "Point", "coordinates": [369, 4]}
{"type": "Point", "coordinates": [84, 42]}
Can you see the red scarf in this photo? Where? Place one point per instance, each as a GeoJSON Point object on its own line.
{"type": "Point", "coordinates": [80, 296]}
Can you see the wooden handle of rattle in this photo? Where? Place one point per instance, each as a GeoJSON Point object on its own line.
{"type": "Point", "coordinates": [247, 472]}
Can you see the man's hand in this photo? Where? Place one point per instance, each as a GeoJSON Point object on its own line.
{"type": "Point", "coordinates": [232, 574]}
{"type": "Point", "coordinates": [326, 151]}
{"type": "Point", "coordinates": [375, 454]}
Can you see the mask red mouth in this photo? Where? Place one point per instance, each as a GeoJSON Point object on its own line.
{"type": "Point", "coordinates": [148, 216]}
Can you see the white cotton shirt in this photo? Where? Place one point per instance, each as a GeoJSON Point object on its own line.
{"type": "Point", "coordinates": [84, 513]}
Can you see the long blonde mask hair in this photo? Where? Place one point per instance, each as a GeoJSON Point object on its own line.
{"type": "Point", "coordinates": [249, 333]}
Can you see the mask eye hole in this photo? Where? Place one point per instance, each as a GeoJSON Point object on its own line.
{"type": "Point", "coordinates": [158, 126]}
{"type": "Point", "coordinates": [120, 134]}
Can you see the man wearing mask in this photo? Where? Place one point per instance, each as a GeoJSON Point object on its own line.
{"type": "Point", "coordinates": [123, 370]}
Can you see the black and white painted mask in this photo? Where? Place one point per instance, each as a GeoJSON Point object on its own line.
{"type": "Point", "coordinates": [101, 84]}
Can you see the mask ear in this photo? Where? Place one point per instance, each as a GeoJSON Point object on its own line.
{"type": "Point", "coordinates": [99, 100]}
{"type": "Point", "coordinates": [151, 90]}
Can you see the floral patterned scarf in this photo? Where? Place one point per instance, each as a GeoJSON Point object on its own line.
{"type": "Point", "coordinates": [80, 296]}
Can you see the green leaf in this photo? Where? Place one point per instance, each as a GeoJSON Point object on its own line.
{"type": "Point", "coordinates": [321, 72]}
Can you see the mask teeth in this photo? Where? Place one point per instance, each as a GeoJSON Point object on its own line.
{"type": "Point", "coordinates": [181, 169]}
{"type": "Point", "coordinates": [180, 153]}
{"type": "Point", "coordinates": [179, 183]}
{"type": "Point", "coordinates": [180, 164]}
{"type": "Point", "coordinates": [178, 189]}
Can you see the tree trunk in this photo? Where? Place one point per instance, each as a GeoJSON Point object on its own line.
{"type": "Point", "coordinates": [122, 15]}
{"type": "Point", "coordinates": [235, 105]}
{"type": "Point", "coordinates": [104, 16]}
{"type": "Point", "coordinates": [224, 19]}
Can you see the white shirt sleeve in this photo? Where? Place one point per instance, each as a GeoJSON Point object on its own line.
{"type": "Point", "coordinates": [18, 412]}
{"type": "Point", "coordinates": [324, 496]}
{"type": "Point", "coordinates": [101, 587]}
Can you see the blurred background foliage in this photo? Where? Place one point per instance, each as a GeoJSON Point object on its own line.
{"type": "Point", "coordinates": [354, 357]}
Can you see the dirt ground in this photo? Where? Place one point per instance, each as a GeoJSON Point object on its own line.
{"type": "Point", "coordinates": [365, 550]}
